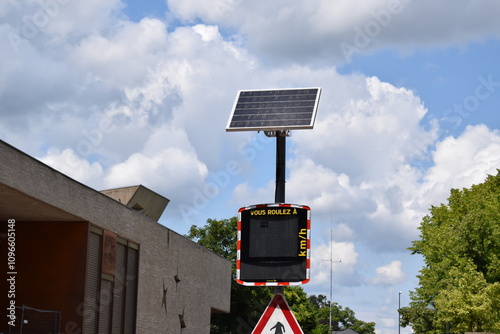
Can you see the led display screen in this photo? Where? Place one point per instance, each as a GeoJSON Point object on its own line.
{"type": "Point", "coordinates": [274, 243]}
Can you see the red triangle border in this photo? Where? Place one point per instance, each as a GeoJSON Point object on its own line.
{"type": "Point", "coordinates": [278, 300]}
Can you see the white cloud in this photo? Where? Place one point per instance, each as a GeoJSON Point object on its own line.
{"type": "Point", "coordinates": [72, 165]}
{"type": "Point", "coordinates": [345, 261]}
{"type": "Point", "coordinates": [305, 31]}
{"type": "Point", "coordinates": [389, 274]}
{"type": "Point", "coordinates": [343, 232]}
{"type": "Point", "coordinates": [248, 195]}
{"type": "Point", "coordinates": [210, 11]}
{"type": "Point", "coordinates": [207, 33]}
{"type": "Point", "coordinates": [388, 322]}
{"type": "Point", "coordinates": [357, 160]}
{"type": "Point", "coordinates": [322, 188]}
{"type": "Point", "coordinates": [50, 24]}
{"type": "Point", "coordinates": [167, 163]}
{"type": "Point", "coordinates": [466, 160]}
{"type": "Point", "coordinates": [376, 125]}
{"type": "Point", "coordinates": [73, 19]}
{"type": "Point", "coordinates": [155, 169]}
{"type": "Point", "coordinates": [458, 162]}
{"type": "Point", "coordinates": [110, 59]}
{"type": "Point", "coordinates": [6, 6]}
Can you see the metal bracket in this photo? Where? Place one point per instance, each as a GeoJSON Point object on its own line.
{"type": "Point", "coordinates": [280, 133]}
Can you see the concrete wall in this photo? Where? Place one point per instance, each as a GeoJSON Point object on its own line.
{"type": "Point", "coordinates": [195, 279]}
{"type": "Point", "coordinates": [140, 199]}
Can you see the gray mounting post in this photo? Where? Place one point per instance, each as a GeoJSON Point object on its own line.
{"type": "Point", "coordinates": [279, 195]}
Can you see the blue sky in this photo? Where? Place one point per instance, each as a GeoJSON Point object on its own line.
{"type": "Point", "coordinates": [118, 93]}
{"type": "Point", "coordinates": [442, 78]}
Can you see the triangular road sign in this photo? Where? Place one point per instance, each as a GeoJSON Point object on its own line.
{"type": "Point", "coordinates": [277, 319]}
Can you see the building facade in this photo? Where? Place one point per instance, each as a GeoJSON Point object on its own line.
{"type": "Point", "coordinates": [101, 260]}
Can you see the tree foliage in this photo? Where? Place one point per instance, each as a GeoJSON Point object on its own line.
{"type": "Point", "coordinates": [248, 303]}
{"type": "Point", "coordinates": [460, 244]}
{"type": "Point", "coordinates": [342, 318]}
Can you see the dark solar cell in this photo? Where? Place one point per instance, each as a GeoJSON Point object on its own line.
{"type": "Point", "coordinates": [280, 109]}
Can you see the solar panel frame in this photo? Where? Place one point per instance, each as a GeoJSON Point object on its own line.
{"type": "Point", "coordinates": [274, 109]}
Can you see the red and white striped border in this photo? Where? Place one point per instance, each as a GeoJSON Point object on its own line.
{"type": "Point", "coordinates": [308, 242]}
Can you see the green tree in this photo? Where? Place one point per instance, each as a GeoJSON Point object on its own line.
{"type": "Point", "coordinates": [460, 244]}
{"type": "Point", "coordinates": [342, 318]}
{"type": "Point", "coordinates": [247, 303]}
{"type": "Point", "coordinates": [304, 312]}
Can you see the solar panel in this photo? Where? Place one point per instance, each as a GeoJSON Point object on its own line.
{"type": "Point", "coordinates": [274, 109]}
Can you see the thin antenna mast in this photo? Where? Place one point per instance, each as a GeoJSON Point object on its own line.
{"type": "Point", "coordinates": [331, 270]}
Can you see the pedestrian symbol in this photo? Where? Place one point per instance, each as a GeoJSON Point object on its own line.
{"type": "Point", "coordinates": [280, 329]}
{"type": "Point", "coordinates": [277, 319]}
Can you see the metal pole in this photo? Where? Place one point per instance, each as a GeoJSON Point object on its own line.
{"type": "Point", "coordinates": [279, 289]}
{"type": "Point", "coordinates": [399, 314]}
{"type": "Point", "coordinates": [331, 276]}
{"type": "Point", "coordinates": [279, 196]}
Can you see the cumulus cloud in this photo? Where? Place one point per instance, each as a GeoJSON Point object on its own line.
{"type": "Point", "coordinates": [345, 261]}
{"type": "Point", "coordinates": [140, 168]}
{"type": "Point", "coordinates": [167, 163]}
{"type": "Point", "coordinates": [343, 232]}
{"type": "Point", "coordinates": [378, 119]}
{"type": "Point", "coordinates": [388, 322]}
{"type": "Point", "coordinates": [318, 29]}
{"type": "Point", "coordinates": [214, 11]}
{"type": "Point", "coordinates": [465, 160]}
{"type": "Point", "coordinates": [245, 193]}
{"type": "Point", "coordinates": [74, 166]}
{"type": "Point", "coordinates": [389, 274]}
{"type": "Point", "coordinates": [104, 57]}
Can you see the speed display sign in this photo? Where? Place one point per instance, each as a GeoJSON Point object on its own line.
{"type": "Point", "coordinates": [273, 244]}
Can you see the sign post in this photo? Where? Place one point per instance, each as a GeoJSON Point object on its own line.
{"type": "Point", "coordinates": [274, 240]}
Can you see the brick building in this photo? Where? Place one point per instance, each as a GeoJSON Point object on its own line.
{"type": "Point", "coordinates": [100, 258]}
